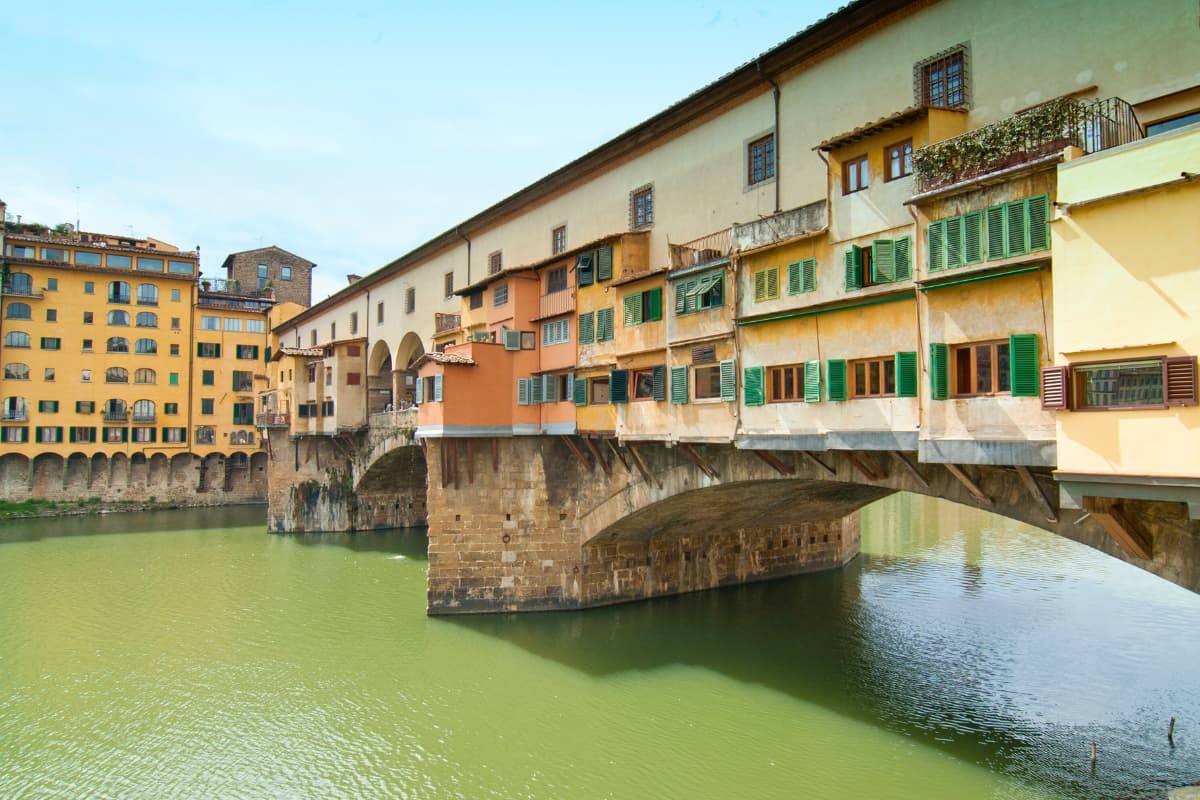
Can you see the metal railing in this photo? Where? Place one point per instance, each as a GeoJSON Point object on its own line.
{"type": "Point", "coordinates": [115, 416]}
{"type": "Point", "coordinates": [272, 419]}
{"type": "Point", "coordinates": [1027, 136]}
{"type": "Point", "coordinates": [15, 416]}
{"type": "Point", "coordinates": [705, 250]}
{"type": "Point", "coordinates": [19, 290]}
{"type": "Point", "coordinates": [233, 286]}
{"type": "Point", "coordinates": [446, 322]}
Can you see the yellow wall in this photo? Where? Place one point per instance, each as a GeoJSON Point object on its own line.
{"type": "Point", "coordinates": [228, 437]}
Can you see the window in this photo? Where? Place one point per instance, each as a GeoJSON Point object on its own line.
{"type": "Point", "coordinates": [208, 377]}
{"type": "Point", "coordinates": [83, 435]}
{"type": "Point", "coordinates": [87, 345]}
{"type": "Point", "coordinates": [333, 331]}
{"type": "Point", "coordinates": [55, 254]}
{"type": "Point", "coordinates": [174, 435]}
{"type": "Point", "coordinates": [174, 323]}
{"type": "Point", "coordinates": [233, 324]}
{"type": "Point", "coordinates": [285, 272]}
{"type": "Point", "coordinates": [354, 379]}
{"type": "Point", "coordinates": [410, 299]}
{"type": "Point", "coordinates": [85, 376]}
{"type": "Point", "coordinates": [1162, 126]}
{"type": "Point", "coordinates": [885, 261]}
{"type": "Point", "coordinates": [118, 292]}
{"type": "Point", "coordinates": [18, 311]}
{"type": "Point", "coordinates": [500, 295]}
{"type": "Point", "coordinates": [243, 381]}
{"type": "Point", "coordinates": [312, 337]}
{"type": "Point", "coordinates": [16, 372]}
{"type": "Point", "coordinates": [85, 406]}
{"type": "Point", "coordinates": [143, 410]}
{"type": "Point", "coordinates": [708, 382]}
{"type": "Point", "coordinates": [48, 406]}
{"type": "Point", "coordinates": [942, 80]}
{"type": "Point", "coordinates": [145, 264]}
{"type": "Point", "coordinates": [327, 408]}
{"type": "Point", "coordinates": [48, 435]}
{"type": "Point", "coordinates": [1119, 384]}
{"type": "Point", "coordinates": [495, 262]}
{"type": "Point", "coordinates": [144, 435]}
{"type": "Point", "coordinates": [51, 315]}
{"type": "Point", "coordinates": [980, 369]}
{"type": "Point", "coordinates": [528, 340]}
{"type": "Point", "coordinates": [206, 406]}
{"type": "Point", "coordinates": [118, 262]}
{"type": "Point", "coordinates": [643, 384]}
{"type": "Point", "coordinates": [641, 307]}
{"type": "Point", "coordinates": [206, 434]}
{"type": "Point", "coordinates": [247, 352]}
{"type": "Point", "coordinates": [312, 373]}
{"type": "Point", "coordinates": [173, 378]}
{"type": "Point", "coordinates": [147, 319]}
{"type": "Point", "coordinates": [329, 376]}
{"type": "Point", "coordinates": [641, 207]}
{"type": "Point", "coordinates": [856, 175]}
{"type": "Point", "coordinates": [599, 391]}
{"type": "Point", "coordinates": [145, 376]}
{"type": "Point", "coordinates": [146, 347]}
{"type": "Point", "coordinates": [170, 408]}
{"type": "Point", "coordinates": [117, 344]}
{"type": "Point", "coordinates": [86, 259]}
{"type": "Point", "coordinates": [897, 160]}
{"type": "Point", "coordinates": [785, 384]}
{"type": "Point", "coordinates": [89, 287]}
{"type": "Point", "coordinates": [48, 374]}
{"type": "Point", "coordinates": [52, 284]}
{"type": "Point", "coordinates": [118, 317]}
{"type": "Point", "coordinates": [558, 240]}
{"type": "Point", "coordinates": [766, 285]}
{"type": "Point", "coordinates": [116, 375]}
{"type": "Point", "coordinates": [556, 280]}
{"type": "Point", "coordinates": [353, 323]}
{"type": "Point", "coordinates": [14, 435]}
{"type": "Point", "coordinates": [379, 313]}
{"type": "Point", "coordinates": [147, 294]}
{"type": "Point", "coordinates": [556, 332]}
{"type": "Point", "coordinates": [16, 339]}
{"type": "Point", "coordinates": [448, 285]}
{"type": "Point", "coordinates": [175, 295]}
{"type": "Point", "coordinates": [208, 350]}
{"type": "Point", "coordinates": [259, 326]}
{"type": "Point", "coordinates": [19, 283]}
{"type": "Point", "coordinates": [19, 251]}
{"type": "Point", "coordinates": [873, 377]}
{"type": "Point", "coordinates": [802, 276]}
{"type": "Point", "coordinates": [174, 350]}
{"type": "Point", "coordinates": [760, 159]}
{"type": "Point", "coordinates": [179, 267]}
{"type": "Point", "coordinates": [15, 409]}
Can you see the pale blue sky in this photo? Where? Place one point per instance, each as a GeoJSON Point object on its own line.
{"type": "Point", "coordinates": [345, 132]}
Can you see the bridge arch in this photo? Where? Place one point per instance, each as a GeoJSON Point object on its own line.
{"type": "Point", "coordinates": [380, 389]}
{"type": "Point", "coordinates": [408, 351]}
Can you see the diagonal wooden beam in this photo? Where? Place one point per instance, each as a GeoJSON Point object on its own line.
{"type": "Point", "coordinates": [641, 465]}
{"type": "Point", "coordinates": [1039, 496]}
{"type": "Point", "coordinates": [699, 460]}
{"type": "Point", "coordinates": [1118, 523]}
{"type": "Point", "coordinates": [970, 485]}
{"type": "Point", "coordinates": [910, 468]}
{"type": "Point", "coordinates": [617, 452]}
{"type": "Point", "coordinates": [774, 462]}
{"type": "Point", "coordinates": [599, 454]}
{"type": "Point", "coordinates": [578, 453]}
{"type": "Point", "coordinates": [860, 463]}
{"type": "Point", "coordinates": [811, 457]}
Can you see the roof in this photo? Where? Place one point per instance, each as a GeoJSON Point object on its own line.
{"type": "Point", "coordinates": [874, 127]}
{"type": "Point", "coordinates": [73, 240]}
{"type": "Point", "coordinates": [637, 276]}
{"type": "Point", "coordinates": [444, 358]}
{"type": "Point", "coordinates": [304, 352]}
{"type": "Point", "coordinates": [554, 259]}
{"type": "Point", "coordinates": [855, 17]}
{"type": "Point", "coordinates": [276, 248]}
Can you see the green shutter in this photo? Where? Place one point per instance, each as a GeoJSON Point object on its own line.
{"type": "Point", "coordinates": [853, 268]}
{"type": "Point", "coordinates": [761, 291]}
{"type": "Point", "coordinates": [1038, 218]}
{"type": "Point", "coordinates": [581, 391]}
{"type": "Point", "coordinates": [972, 237]}
{"type": "Point", "coordinates": [1023, 364]}
{"type": "Point", "coordinates": [618, 386]}
{"type": "Point", "coordinates": [935, 245]}
{"type": "Point", "coordinates": [835, 379]}
{"type": "Point", "coordinates": [587, 327]}
{"type": "Point", "coordinates": [654, 304]}
{"type": "Point", "coordinates": [58, 435]}
{"type": "Point", "coordinates": [604, 258]}
{"type": "Point", "coordinates": [583, 270]}
{"type": "Point", "coordinates": [903, 248]}
{"type": "Point", "coordinates": [906, 374]}
{"type": "Point", "coordinates": [812, 381]}
{"type": "Point", "coordinates": [809, 277]}
{"type": "Point", "coordinates": [604, 324]}
{"type": "Point", "coordinates": [71, 434]}
{"type": "Point", "coordinates": [658, 382]}
{"type": "Point", "coordinates": [773, 283]}
{"type": "Point", "coordinates": [1017, 231]}
{"type": "Point", "coordinates": [681, 290]}
{"type": "Point", "coordinates": [522, 391]}
{"type": "Point", "coordinates": [939, 371]}
{"type": "Point", "coordinates": [679, 385]}
{"type": "Point", "coordinates": [883, 261]}
{"type": "Point", "coordinates": [153, 433]}
{"type": "Point", "coordinates": [633, 309]}
{"type": "Point", "coordinates": [795, 278]}
{"type": "Point", "coordinates": [954, 241]}
{"type": "Point", "coordinates": [729, 381]}
{"type": "Point", "coordinates": [752, 386]}
{"type": "Point", "coordinates": [995, 233]}
{"type": "Point", "coordinates": [25, 434]}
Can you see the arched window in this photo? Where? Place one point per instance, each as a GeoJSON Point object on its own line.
{"type": "Point", "coordinates": [19, 283]}
{"type": "Point", "coordinates": [118, 317]}
{"type": "Point", "coordinates": [16, 372]}
{"type": "Point", "coordinates": [16, 339]}
{"type": "Point", "coordinates": [147, 294]}
{"type": "Point", "coordinates": [118, 292]}
{"type": "Point", "coordinates": [115, 409]}
{"type": "Point", "coordinates": [116, 375]}
{"type": "Point", "coordinates": [18, 311]}
{"type": "Point", "coordinates": [147, 319]}
{"type": "Point", "coordinates": [143, 411]}
{"type": "Point", "coordinates": [145, 376]}
{"type": "Point", "coordinates": [15, 409]}
{"type": "Point", "coordinates": [146, 346]}
{"type": "Point", "coordinates": [118, 344]}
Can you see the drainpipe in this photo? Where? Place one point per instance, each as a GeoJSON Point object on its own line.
{"type": "Point", "coordinates": [921, 365]}
{"type": "Point", "coordinates": [468, 241]}
{"type": "Point", "coordinates": [778, 140]}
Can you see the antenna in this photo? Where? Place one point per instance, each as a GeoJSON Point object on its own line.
{"type": "Point", "coordinates": [77, 209]}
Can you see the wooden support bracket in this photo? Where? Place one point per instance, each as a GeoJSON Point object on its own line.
{"type": "Point", "coordinates": [470, 461]}
{"type": "Point", "coordinates": [641, 465]}
{"type": "Point", "coordinates": [583, 459]}
{"type": "Point", "coordinates": [970, 485]}
{"type": "Point", "coordinates": [773, 460]}
{"type": "Point", "coordinates": [701, 463]}
{"type": "Point", "coordinates": [495, 454]}
{"type": "Point", "coordinates": [1122, 526]}
{"type": "Point", "coordinates": [1039, 496]}
{"type": "Point", "coordinates": [617, 452]}
{"type": "Point", "coordinates": [599, 454]}
{"type": "Point", "coordinates": [821, 464]}
{"type": "Point", "coordinates": [860, 463]}
{"type": "Point", "coordinates": [910, 468]}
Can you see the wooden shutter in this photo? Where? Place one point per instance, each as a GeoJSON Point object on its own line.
{"type": "Point", "coordinates": [996, 238]}
{"type": "Point", "coordinates": [633, 309]}
{"type": "Point", "coordinates": [618, 386]}
{"type": "Point", "coordinates": [903, 247]}
{"type": "Point", "coordinates": [812, 381]}
{"type": "Point", "coordinates": [71, 433]}
{"type": "Point", "coordinates": [587, 327]}
{"type": "Point", "coordinates": [1056, 388]}
{"type": "Point", "coordinates": [954, 241]}
{"type": "Point", "coordinates": [772, 283]}
{"type": "Point", "coordinates": [658, 382]}
{"type": "Point", "coordinates": [584, 276]}
{"type": "Point", "coordinates": [522, 391]}
{"type": "Point", "coordinates": [679, 385]}
{"type": "Point", "coordinates": [604, 263]}
{"type": "Point", "coordinates": [535, 390]}
{"type": "Point", "coordinates": [581, 391]}
{"type": "Point", "coordinates": [795, 278]}
{"type": "Point", "coordinates": [1023, 364]}
{"type": "Point", "coordinates": [1038, 218]}
{"type": "Point", "coordinates": [681, 290]}
{"type": "Point", "coordinates": [972, 239]}
{"type": "Point", "coordinates": [752, 386]}
{"type": "Point", "coordinates": [549, 388]}
{"type": "Point", "coordinates": [729, 381]}
{"type": "Point", "coordinates": [1016, 224]}
{"type": "Point", "coordinates": [809, 277]}
{"type": "Point", "coordinates": [604, 324]}
{"type": "Point", "coordinates": [853, 268]}
{"type": "Point", "coordinates": [654, 304]}
{"type": "Point", "coordinates": [906, 374]}
{"type": "Point", "coordinates": [939, 371]}
{"type": "Point", "coordinates": [1179, 380]}
{"type": "Point", "coordinates": [935, 244]}
{"type": "Point", "coordinates": [835, 379]}
{"type": "Point", "coordinates": [437, 388]}
{"type": "Point", "coordinates": [883, 261]}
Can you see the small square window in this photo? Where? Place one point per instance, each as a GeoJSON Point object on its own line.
{"type": "Point", "coordinates": [285, 273]}
{"type": "Point", "coordinates": [87, 345]}
{"type": "Point", "coordinates": [52, 284]}
{"type": "Point", "coordinates": [558, 240]}
{"type": "Point", "coordinates": [175, 295]}
{"type": "Point", "coordinates": [641, 207]}
{"type": "Point", "coordinates": [89, 287]}
{"type": "Point", "coordinates": [174, 349]}
{"type": "Point", "coordinates": [51, 315]}
{"type": "Point", "coordinates": [942, 80]}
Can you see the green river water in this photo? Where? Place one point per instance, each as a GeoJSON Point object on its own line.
{"type": "Point", "coordinates": [191, 654]}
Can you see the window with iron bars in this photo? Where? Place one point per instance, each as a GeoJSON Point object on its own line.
{"type": "Point", "coordinates": [941, 81]}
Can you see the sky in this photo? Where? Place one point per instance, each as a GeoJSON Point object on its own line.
{"type": "Point", "coordinates": [347, 133]}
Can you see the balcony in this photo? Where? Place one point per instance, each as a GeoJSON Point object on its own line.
{"type": "Point", "coordinates": [20, 415]}
{"type": "Point", "coordinates": [148, 416]}
{"type": "Point", "coordinates": [272, 419]}
{"type": "Point", "coordinates": [233, 286]}
{"type": "Point", "coordinates": [19, 289]}
{"type": "Point", "coordinates": [555, 303]}
{"type": "Point", "coordinates": [444, 323]}
{"type": "Point", "coordinates": [701, 252]}
{"type": "Point", "coordinates": [1039, 132]}
{"type": "Point", "coordinates": [116, 416]}
{"type": "Point", "coordinates": [790, 224]}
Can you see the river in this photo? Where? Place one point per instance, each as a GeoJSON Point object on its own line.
{"type": "Point", "coordinates": [191, 654]}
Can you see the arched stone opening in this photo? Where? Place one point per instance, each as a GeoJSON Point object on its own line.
{"type": "Point", "coordinates": [212, 472]}
{"type": "Point", "coordinates": [183, 469]}
{"type": "Point", "coordinates": [404, 376]}
{"type": "Point", "coordinates": [139, 470]}
{"type": "Point", "coordinates": [14, 476]}
{"type": "Point", "coordinates": [47, 475]}
{"type": "Point", "coordinates": [118, 471]}
{"type": "Point", "coordinates": [379, 379]}
{"type": "Point", "coordinates": [98, 477]}
{"type": "Point", "coordinates": [75, 475]}
{"type": "Point", "coordinates": [237, 471]}
{"type": "Point", "coordinates": [160, 471]}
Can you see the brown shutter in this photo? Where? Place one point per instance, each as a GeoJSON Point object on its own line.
{"type": "Point", "coordinates": [1056, 388]}
{"type": "Point", "coordinates": [1179, 380]}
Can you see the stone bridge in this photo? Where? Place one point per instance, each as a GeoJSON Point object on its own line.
{"type": "Point", "coordinates": [555, 522]}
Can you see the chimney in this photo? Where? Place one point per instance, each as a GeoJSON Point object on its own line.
{"type": "Point", "coordinates": [353, 278]}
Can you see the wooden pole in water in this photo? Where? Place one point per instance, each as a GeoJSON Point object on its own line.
{"type": "Point", "coordinates": [1093, 754]}
{"type": "Point", "coordinates": [1171, 732]}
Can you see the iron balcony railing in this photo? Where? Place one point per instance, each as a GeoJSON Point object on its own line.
{"type": "Point", "coordinates": [144, 416]}
{"type": "Point", "coordinates": [705, 250]}
{"type": "Point", "coordinates": [1025, 137]}
{"type": "Point", "coordinates": [19, 289]}
{"type": "Point", "coordinates": [115, 416]}
{"type": "Point", "coordinates": [272, 419]}
{"type": "Point", "coordinates": [15, 416]}
{"type": "Point", "coordinates": [446, 322]}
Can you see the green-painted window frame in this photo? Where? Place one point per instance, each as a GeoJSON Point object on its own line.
{"type": "Point", "coordinates": [802, 276]}
{"type": "Point", "coordinates": [700, 293]}
{"type": "Point", "coordinates": [753, 386]}
{"type": "Point", "coordinates": [835, 380]}
{"type": "Point", "coordinates": [1019, 227]}
{"type": "Point", "coordinates": [679, 385]}
{"type": "Point", "coordinates": [604, 324]}
{"type": "Point", "coordinates": [766, 284]}
{"type": "Point", "coordinates": [587, 327]}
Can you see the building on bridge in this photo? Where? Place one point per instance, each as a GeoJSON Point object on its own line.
{"type": "Point", "coordinates": [882, 254]}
